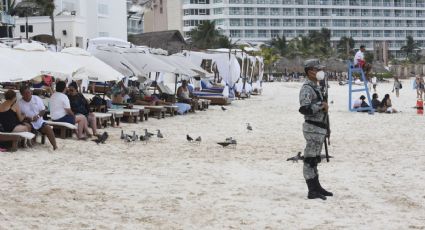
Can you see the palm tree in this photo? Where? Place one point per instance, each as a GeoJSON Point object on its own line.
{"type": "Point", "coordinates": [269, 57]}
{"type": "Point", "coordinates": [205, 35]}
{"type": "Point", "coordinates": [410, 46]}
{"type": "Point", "coordinates": [48, 8]}
{"type": "Point", "coordinates": [345, 46]}
{"type": "Point", "coordinates": [279, 43]}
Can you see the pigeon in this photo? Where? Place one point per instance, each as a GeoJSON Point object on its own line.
{"type": "Point", "coordinates": [224, 144]}
{"type": "Point", "coordinates": [142, 138]}
{"type": "Point", "coordinates": [102, 138]}
{"type": "Point", "coordinates": [198, 140]}
{"type": "Point", "coordinates": [296, 158]}
{"type": "Point", "coordinates": [227, 143]}
{"type": "Point", "coordinates": [249, 127]}
{"type": "Point", "coordinates": [128, 138]}
{"type": "Point", "coordinates": [122, 135]}
{"type": "Point", "coordinates": [134, 137]}
{"type": "Point", "coordinates": [229, 139]}
{"type": "Point", "coordinates": [299, 157]}
{"type": "Point", "coordinates": [223, 108]}
{"type": "Point", "coordinates": [148, 133]}
{"type": "Point", "coordinates": [159, 134]}
{"type": "Point", "coordinates": [188, 138]}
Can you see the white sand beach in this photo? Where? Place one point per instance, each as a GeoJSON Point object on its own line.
{"type": "Point", "coordinates": [377, 174]}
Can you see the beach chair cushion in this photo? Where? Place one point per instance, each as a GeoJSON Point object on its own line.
{"type": "Point", "coordinates": [26, 135]}
{"type": "Point", "coordinates": [63, 124]}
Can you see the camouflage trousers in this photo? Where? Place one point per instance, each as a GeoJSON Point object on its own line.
{"type": "Point", "coordinates": [313, 148]}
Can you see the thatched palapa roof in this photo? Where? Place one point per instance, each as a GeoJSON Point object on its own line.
{"type": "Point", "coordinates": [170, 40]}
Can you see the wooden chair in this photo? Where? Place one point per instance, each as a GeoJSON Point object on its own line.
{"type": "Point", "coordinates": [63, 129]}
{"type": "Point", "coordinates": [15, 139]}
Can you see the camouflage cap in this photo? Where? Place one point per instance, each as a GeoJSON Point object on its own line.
{"type": "Point", "coordinates": [313, 63]}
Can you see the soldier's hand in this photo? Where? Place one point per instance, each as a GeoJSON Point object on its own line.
{"type": "Point", "coordinates": [325, 106]}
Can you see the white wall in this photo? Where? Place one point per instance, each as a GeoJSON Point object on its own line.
{"type": "Point", "coordinates": [87, 24]}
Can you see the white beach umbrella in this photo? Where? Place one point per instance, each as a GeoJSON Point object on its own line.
{"type": "Point", "coordinates": [180, 67]}
{"type": "Point", "coordinates": [12, 71]}
{"type": "Point", "coordinates": [147, 63]}
{"type": "Point", "coordinates": [93, 68]}
{"type": "Point", "coordinates": [114, 57]}
{"type": "Point", "coordinates": [34, 57]}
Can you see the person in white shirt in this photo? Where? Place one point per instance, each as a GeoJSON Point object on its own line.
{"type": "Point", "coordinates": [60, 110]}
{"type": "Point", "coordinates": [359, 61]}
{"type": "Point", "coordinates": [32, 107]}
{"type": "Point", "coordinates": [374, 83]}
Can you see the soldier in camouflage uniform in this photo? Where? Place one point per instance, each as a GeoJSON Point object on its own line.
{"type": "Point", "coordinates": [314, 109]}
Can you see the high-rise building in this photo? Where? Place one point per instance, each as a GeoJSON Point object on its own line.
{"type": "Point", "coordinates": [6, 21]}
{"type": "Point", "coordinates": [135, 17]}
{"type": "Point", "coordinates": [164, 15]}
{"type": "Point", "coordinates": [367, 21]}
{"type": "Point", "coordinates": [79, 20]}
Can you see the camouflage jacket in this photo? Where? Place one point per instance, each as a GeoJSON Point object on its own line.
{"type": "Point", "coordinates": [311, 99]}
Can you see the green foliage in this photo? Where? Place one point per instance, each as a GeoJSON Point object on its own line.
{"type": "Point", "coordinates": [205, 36]}
{"type": "Point", "coordinates": [383, 75]}
{"type": "Point", "coordinates": [344, 47]}
{"type": "Point", "coordinates": [410, 46]}
{"type": "Point", "coordinates": [279, 45]}
{"type": "Point", "coordinates": [270, 57]}
{"type": "Point", "coordinates": [368, 57]}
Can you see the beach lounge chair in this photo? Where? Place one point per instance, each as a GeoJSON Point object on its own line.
{"type": "Point", "coordinates": [15, 138]}
{"type": "Point", "coordinates": [64, 129]}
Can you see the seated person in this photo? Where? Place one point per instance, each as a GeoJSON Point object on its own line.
{"type": "Point", "coordinates": [183, 93]}
{"type": "Point", "coordinates": [79, 105]}
{"type": "Point", "coordinates": [387, 105]}
{"type": "Point", "coordinates": [146, 98]}
{"type": "Point", "coordinates": [119, 93]}
{"type": "Point", "coordinates": [363, 103]}
{"type": "Point", "coordinates": [10, 115]}
{"type": "Point", "coordinates": [60, 110]}
{"type": "Point", "coordinates": [32, 107]}
{"type": "Point", "coordinates": [376, 104]}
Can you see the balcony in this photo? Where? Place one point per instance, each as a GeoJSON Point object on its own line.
{"type": "Point", "coordinates": [6, 19]}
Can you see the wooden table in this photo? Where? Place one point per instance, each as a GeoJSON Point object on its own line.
{"type": "Point", "coordinates": [144, 112]}
{"type": "Point", "coordinates": [116, 116]}
{"type": "Point", "coordinates": [171, 109]}
{"type": "Point", "coordinates": [102, 119]}
{"type": "Point", "coordinates": [158, 111]}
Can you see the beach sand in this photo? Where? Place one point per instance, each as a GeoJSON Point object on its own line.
{"type": "Point", "coordinates": [377, 174]}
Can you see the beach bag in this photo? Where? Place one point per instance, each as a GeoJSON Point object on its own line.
{"type": "Point", "coordinates": [401, 86]}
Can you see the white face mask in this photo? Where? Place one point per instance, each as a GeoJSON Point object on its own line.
{"type": "Point", "coordinates": [320, 75]}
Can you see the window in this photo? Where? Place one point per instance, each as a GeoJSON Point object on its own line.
{"type": "Point", "coordinates": [262, 22]}
{"type": "Point", "coordinates": [262, 33]}
{"type": "Point", "coordinates": [103, 9]}
{"type": "Point", "coordinates": [235, 33]}
{"type": "Point", "coordinates": [249, 22]}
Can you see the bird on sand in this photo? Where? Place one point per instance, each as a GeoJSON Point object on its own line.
{"type": "Point", "coordinates": [223, 108]}
{"type": "Point", "coordinates": [198, 140]}
{"type": "Point", "coordinates": [122, 135]}
{"type": "Point", "coordinates": [248, 127]}
{"type": "Point", "coordinates": [159, 134]}
{"type": "Point", "coordinates": [296, 158]}
{"type": "Point", "coordinates": [102, 138]}
{"type": "Point", "coordinates": [188, 138]}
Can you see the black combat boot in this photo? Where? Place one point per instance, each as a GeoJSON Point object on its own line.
{"type": "Point", "coordinates": [313, 190]}
{"type": "Point", "coordinates": [320, 189]}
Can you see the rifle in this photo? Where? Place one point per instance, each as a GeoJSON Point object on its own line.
{"type": "Point", "coordinates": [326, 120]}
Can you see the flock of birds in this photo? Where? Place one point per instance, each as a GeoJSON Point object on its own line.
{"type": "Point", "coordinates": [146, 136]}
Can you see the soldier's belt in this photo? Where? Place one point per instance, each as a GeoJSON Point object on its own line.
{"type": "Point", "coordinates": [318, 124]}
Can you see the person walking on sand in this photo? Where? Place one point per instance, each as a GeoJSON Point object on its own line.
{"type": "Point", "coordinates": [397, 86]}
{"type": "Point", "coordinates": [314, 109]}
